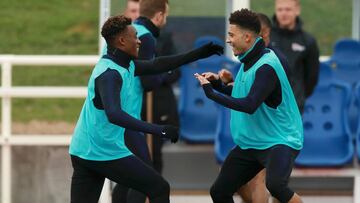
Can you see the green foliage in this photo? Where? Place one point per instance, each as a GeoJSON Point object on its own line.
{"type": "Point", "coordinates": [49, 26]}
{"type": "Point", "coordinates": [71, 27]}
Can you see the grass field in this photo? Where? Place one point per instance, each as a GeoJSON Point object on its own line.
{"type": "Point", "coordinates": [71, 27]}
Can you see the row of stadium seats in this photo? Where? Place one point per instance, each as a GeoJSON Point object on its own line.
{"type": "Point", "coordinates": [331, 117]}
{"type": "Point", "coordinates": [328, 141]}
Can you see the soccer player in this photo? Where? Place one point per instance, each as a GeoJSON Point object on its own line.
{"type": "Point", "coordinates": [153, 15]}
{"type": "Point", "coordinates": [265, 120]}
{"type": "Point", "coordinates": [255, 190]}
{"type": "Point", "coordinates": [97, 148]}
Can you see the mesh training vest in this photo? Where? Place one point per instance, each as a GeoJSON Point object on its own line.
{"type": "Point", "coordinates": [267, 126]}
{"type": "Point", "coordinates": [95, 138]}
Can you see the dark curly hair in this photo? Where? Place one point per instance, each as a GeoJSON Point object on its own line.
{"type": "Point", "coordinates": [264, 20]}
{"type": "Point", "coordinates": [246, 19]}
{"type": "Point", "coordinates": [113, 26]}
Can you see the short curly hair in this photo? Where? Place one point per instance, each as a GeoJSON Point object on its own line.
{"type": "Point", "coordinates": [246, 19]}
{"type": "Point", "coordinates": [114, 26]}
{"type": "Point", "coordinates": [264, 20]}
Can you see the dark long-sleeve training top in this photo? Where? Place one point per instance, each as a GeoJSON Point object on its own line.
{"type": "Point", "coordinates": [147, 51]}
{"type": "Point", "coordinates": [108, 85]}
{"type": "Point", "coordinates": [266, 87]}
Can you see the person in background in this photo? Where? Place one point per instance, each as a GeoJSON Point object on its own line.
{"type": "Point", "coordinates": [152, 17]}
{"type": "Point", "coordinates": [164, 101]}
{"type": "Point", "coordinates": [132, 9]}
{"type": "Point", "coordinates": [299, 47]}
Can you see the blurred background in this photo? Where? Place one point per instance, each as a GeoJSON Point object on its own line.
{"type": "Point", "coordinates": [40, 170]}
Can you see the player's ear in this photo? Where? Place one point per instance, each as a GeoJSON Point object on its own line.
{"type": "Point", "coordinates": [248, 37]}
{"type": "Point", "coordinates": [158, 16]}
{"type": "Point", "coordinates": [121, 40]}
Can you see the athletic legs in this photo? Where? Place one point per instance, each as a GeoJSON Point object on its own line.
{"type": "Point", "coordinates": [129, 172]}
{"type": "Point", "coordinates": [279, 164]}
{"type": "Point", "coordinates": [239, 167]}
{"type": "Point", "coordinates": [136, 142]}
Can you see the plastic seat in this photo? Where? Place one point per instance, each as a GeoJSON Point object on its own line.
{"type": "Point", "coordinates": [346, 52]}
{"type": "Point", "coordinates": [357, 94]}
{"type": "Point", "coordinates": [325, 74]}
{"type": "Point", "coordinates": [223, 139]}
{"type": "Point", "coordinates": [345, 65]}
{"type": "Point", "coordinates": [198, 114]}
{"type": "Point", "coordinates": [327, 138]}
{"type": "Point", "coordinates": [345, 60]}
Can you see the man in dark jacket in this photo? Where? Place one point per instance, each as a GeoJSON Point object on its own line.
{"type": "Point", "coordinates": [164, 100]}
{"type": "Point", "coordinates": [299, 48]}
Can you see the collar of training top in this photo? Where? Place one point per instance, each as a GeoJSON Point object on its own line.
{"type": "Point", "coordinates": [254, 52]}
{"type": "Point", "coordinates": [119, 57]}
{"type": "Point", "coordinates": [155, 31]}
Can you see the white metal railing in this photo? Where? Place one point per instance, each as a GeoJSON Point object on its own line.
{"type": "Point", "coordinates": [7, 92]}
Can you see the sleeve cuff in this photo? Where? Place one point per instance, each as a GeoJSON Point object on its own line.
{"type": "Point", "coordinates": [216, 83]}
{"type": "Point", "coordinates": [207, 88]}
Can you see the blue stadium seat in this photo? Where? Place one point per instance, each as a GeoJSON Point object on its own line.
{"type": "Point", "coordinates": [345, 65]}
{"type": "Point", "coordinates": [357, 93]}
{"type": "Point", "coordinates": [198, 114]}
{"type": "Point", "coordinates": [325, 74]}
{"type": "Point", "coordinates": [345, 60]}
{"type": "Point", "coordinates": [223, 140]}
{"type": "Point", "coordinates": [346, 52]}
{"type": "Point", "coordinates": [327, 138]}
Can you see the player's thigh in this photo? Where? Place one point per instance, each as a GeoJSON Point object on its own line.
{"type": "Point", "coordinates": [238, 169]}
{"type": "Point", "coordinates": [255, 185]}
{"type": "Point", "coordinates": [133, 173]}
{"type": "Point", "coordinates": [86, 185]}
{"type": "Point", "coordinates": [280, 162]}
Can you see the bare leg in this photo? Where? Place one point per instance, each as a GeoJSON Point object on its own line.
{"type": "Point", "coordinates": [259, 192]}
{"type": "Point", "coordinates": [245, 193]}
{"type": "Point", "coordinates": [255, 191]}
{"type": "Point", "coordinates": [295, 199]}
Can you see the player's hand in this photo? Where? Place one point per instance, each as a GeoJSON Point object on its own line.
{"type": "Point", "coordinates": [201, 79]}
{"type": "Point", "coordinates": [210, 76]}
{"type": "Point", "coordinates": [226, 76]}
{"type": "Point", "coordinates": [170, 132]}
{"type": "Point", "coordinates": [210, 49]}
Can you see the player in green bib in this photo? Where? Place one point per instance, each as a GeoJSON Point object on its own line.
{"type": "Point", "coordinates": [97, 148]}
{"type": "Point", "coordinates": [265, 124]}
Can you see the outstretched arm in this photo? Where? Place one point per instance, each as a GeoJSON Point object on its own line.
{"type": "Point", "coordinates": [264, 84]}
{"type": "Point", "coordinates": [108, 85]}
{"type": "Point", "coordinates": [147, 52]}
{"type": "Point", "coordinates": [167, 63]}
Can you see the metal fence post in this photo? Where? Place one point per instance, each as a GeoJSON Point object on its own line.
{"type": "Point", "coordinates": [6, 133]}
